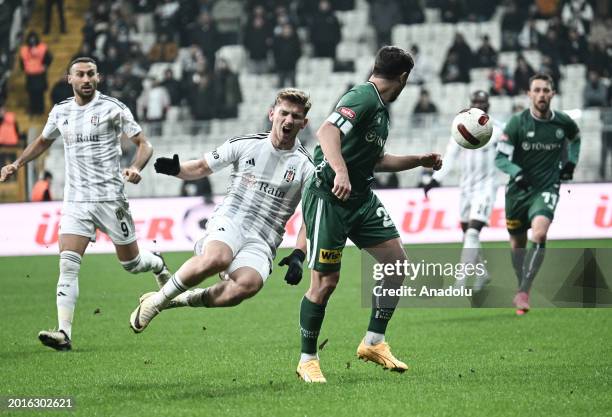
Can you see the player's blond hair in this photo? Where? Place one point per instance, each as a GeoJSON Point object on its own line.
{"type": "Point", "coordinates": [294, 96]}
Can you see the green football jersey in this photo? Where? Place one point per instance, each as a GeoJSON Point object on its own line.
{"type": "Point", "coordinates": [537, 146]}
{"type": "Point", "coordinates": [363, 119]}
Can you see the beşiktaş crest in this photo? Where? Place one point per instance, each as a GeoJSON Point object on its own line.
{"type": "Point", "coordinates": [95, 119]}
{"type": "Point", "coordinates": [289, 174]}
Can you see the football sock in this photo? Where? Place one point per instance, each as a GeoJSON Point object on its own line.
{"type": "Point", "coordinates": [170, 290]}
{"type": "Point", "coordinates": [379, 319]}
{"type": "Point", "coordinates": [533, 262]}
{"type": "Point", "coordinates": [197, 297]}
{"type": "Point", "coordinates": [311, 319]}
{"type": "Point", "coordinates": [372, 338]}
{"type": "Point", "coordinates": [518, 258]}
{"type": "Point", "coordinates": [305, 357]}
{"type": "Point", "coordinates": [144, 261]}
{"type": "Point", "coordinates": [67, 289]}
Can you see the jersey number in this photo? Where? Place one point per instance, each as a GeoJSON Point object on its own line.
{"type": "Point", "coordinates": [381, 212]}
{"type": "Point", "coordinates": [550, 199]}
{"type": "Point", "coordinates": [125, 229]}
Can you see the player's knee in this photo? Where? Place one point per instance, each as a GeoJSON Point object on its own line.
{"type": "Point", "coordinates": [539, 236]}
{"type": "Point", "coordinates": [213, 263]}
{"type": "Point", "coordinates": [326, 287]}
{"type": "Point", "coordinates": [69, 264]}
{"type": "Point", "coordinates": [245, 290]}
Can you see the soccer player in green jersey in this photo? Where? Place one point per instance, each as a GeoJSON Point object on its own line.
{"type": "Point", "coordinates": [531, 151]}
{"type": "Point", "coordinates": [338, 203]}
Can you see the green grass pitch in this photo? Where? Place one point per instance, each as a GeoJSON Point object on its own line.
{"type": "Point", "coordinates": [241, 361]}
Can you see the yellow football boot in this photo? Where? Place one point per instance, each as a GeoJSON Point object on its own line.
{"type": "Point", "coordinates": [380, 354]}
{"type": "Point", "coordinates": [310, 371]}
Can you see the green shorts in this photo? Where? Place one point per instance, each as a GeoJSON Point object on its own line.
{"type": "Point", "coordinates": [523, 206]}
{"type": "Point", "coordinates": [329, 223]}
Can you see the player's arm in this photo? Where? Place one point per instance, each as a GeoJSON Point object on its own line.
{"type": "Point", "coordinates": [505, 149]}
{"type": "Point", "coordinates": [295, 260]}
{"type": "Point", "coordinates": [396, 163]}
{"type": "Point", "coordinates": [144, 151]}
{"type": "Point", "coordinates": [329, 138]}
{"type": "Point", "coordinates": [573, 153]}
{"type": "Point", "coordinates": [190, 170]}
{"type": "Point", "coordinates": [31, 152]}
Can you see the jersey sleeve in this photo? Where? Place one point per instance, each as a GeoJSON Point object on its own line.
{"type": "Point", "coordinates": [505, 148]}
{"type": "Point", "coordinates": [51, 130]}
{"type": "Point", "coordinates": [308, 172]}
{"type": "Point", "coordinates": [224, 155]}
{"type": "Point", "coordinates": [573, 132]}
{"type": "Point", "coordinates": [352, 108]}
{"type": "Point", "coordinates": [129, 126]}
{"type": "Point", "coordinates": [448, 161]}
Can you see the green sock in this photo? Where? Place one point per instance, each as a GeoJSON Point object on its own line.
{"type": "Point", "coordinates": [533, 262]}
{"type": "Point", "coordinates": [379, 319]}
{"type": "Point", "coordinates": [311, 319]}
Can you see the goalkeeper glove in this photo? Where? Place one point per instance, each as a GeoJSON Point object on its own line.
{"type": "Point", "coordinates": [567, 172]}
{"type": "Point", "coordinates": [431, 184]}
{"type": "Point", "coordinates": [294, 263]}
{"type": "Point", "coordinates": [522, 181]}
{"type": "Point", "coordinates": [168, 166]}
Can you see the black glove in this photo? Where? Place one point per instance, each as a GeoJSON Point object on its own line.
{"type": "Point", "coordinates": [567, 172]}
{"type": "Point", "coordinates": [431, 184]}
{"type": "Point", "coordinates": [168, 166]}
{"type": "Point", "coordinates": [294, 261]}
{"type": "Point", "coordinates": [522, 181]}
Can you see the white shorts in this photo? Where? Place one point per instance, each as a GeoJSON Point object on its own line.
{"type": "Point", "coordinates": [111, 217]}
{"type": "Point", "coordinates": [248, 250]}
{"type": "Point", "coordinates": [477, 204]}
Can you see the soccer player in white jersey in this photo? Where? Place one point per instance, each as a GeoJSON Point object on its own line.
{"type": "Point", "coordinates": [91, 125]}
{"type": "Point", "coordinates": [478, 188]}
{"type": "Point", "coordinates": [269, 171]}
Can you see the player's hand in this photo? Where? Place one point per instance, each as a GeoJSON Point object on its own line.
{"type": "Point", "coordinates": [567, 172]}
{"type": "Point", "coordinates": [431, 184]}
{"type": "Point", "coordinates": [294, 262]}
{"type": "Point", "coordinates": [7, 172]}
{"type": "Point", "coordinates": [522, 181]}
{"type": "Point", "coordinates": [431, 160]}
{"type": "Point", "coordinates": [342, 186]}
{"type": "Point", "coordinates": [168, 166]}
{"type": "Point", "coordinates": [132, 175]}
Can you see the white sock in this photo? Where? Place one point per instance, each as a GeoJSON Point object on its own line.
{"type": "Point", "coordinates": [196, 298]}
{"type": "Point", "coordinates": [143, 262]}
{"type": "Point", "coordinates": [372, 338]}
{"type": "Point", "coordinates": [170, 290]}
{"type": "Point", "coordinates": [67, 289]}
{"type": "Point", "coordinates": [305, 357]}
{"type": "Point", "coordinates": [472, 239]}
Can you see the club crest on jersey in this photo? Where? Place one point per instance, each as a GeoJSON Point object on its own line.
{"type": "Point", "coordinates": [559, 133]}
{"type": "Point", "coordinates": [289, 174]}
{"type": "Point", "coordinates": [95, 119]}
{"type": "Point", "coordinates": [346, 112]}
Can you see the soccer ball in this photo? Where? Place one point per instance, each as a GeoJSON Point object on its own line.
{"type": "Point", "coordinates": [472, 128]}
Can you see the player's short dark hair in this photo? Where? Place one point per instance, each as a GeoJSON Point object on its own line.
{"type": "Point", "coordinates": [391, 62]}
{"type": "Point", "coordinates": [296, 96]}
{"type": "Point", "coordinates": [542, 76]}
{"type": "Point", "coordinates": [479, 95]}
{"type": "Point", "coordinates": [80, 60]}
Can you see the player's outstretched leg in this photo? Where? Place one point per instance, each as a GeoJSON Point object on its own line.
{"type": "Point", "coordinates": [57, 340]}
{"type": "Point", "coordinates": [145, 261]}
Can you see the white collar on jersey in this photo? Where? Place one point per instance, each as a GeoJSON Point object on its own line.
{"type": "Point", "coordinates": [275, 149]}
{"type": "Point", "coordinates": [543, 120]}
{"type": "Point", "coordinates": [85, 106]}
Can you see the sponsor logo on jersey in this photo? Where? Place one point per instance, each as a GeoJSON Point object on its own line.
{"type": "Point", "coordinates": [95, 119]}
{"type": "Point", "coordinates": [72, 138]}
{"type": "Point", "coordinates": [512, 224]}
{"type": "Point", "coordinates": [330, 256]}
{"type": "Point", "coordinates": [268, 189]}
{"type": "Point", "coordinates": [539, 146]}
{"type": "Point", "coordinates": [65, 123]}
{"type": "Point", "coordinates": [346, 112]}
{"type": "Point", "coordinates": [215, 154]}
{"type": "Point", "coordinates": [559, 133]}
{"type": "Point", "coordinates": [289, 174]}
{"type": "Point", "coordinates": [530, 134]}
{"type": "Point", "coordinates": [251, 162]}
{"type": "Point", "coordinates": [248, 180]}
{"type": "Point", "coordinates": [372, 136]}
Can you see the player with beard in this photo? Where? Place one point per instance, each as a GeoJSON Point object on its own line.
{"type": "Point", "coordinates": [531, 151]}
{"type": "Point", "coordinates": [338, 203]}
{"type": "Point", "coordinates": [91, 125]}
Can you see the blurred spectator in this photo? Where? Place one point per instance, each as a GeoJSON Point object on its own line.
{"type": "Point", "coordinates": [511, 26]}
{"type": "Point", "coordinates": [129, 86]}
{"type": "Point", "coordinates": [480, 10]}
{"type": "Point", "coordinates": [502, 83]}
{"type": "Point", "coordinates": [384, 15]}
{"type": "Point", "coordinates": [385, 180]}
{"type": "Point", "coordinates": [551, 45]}
{"type": "Point", "coordinates": [579, 15]}
{"type": "Point", "coordinates": [595, 93]}
{"type": "Point", "coordinates": [422, 68]}
{"type": "Point", "coordinates": [258, 41]}
{"type": "Point", "coordinates": [156, 101]}
{"type": "Point", "coordinates": [486, 55]}
{"type": "Point", "coordinates": [60, 10]}
{"type": "Point", "coordinates": [606, 142]}
{"type": "Point", "coordinates": [227, 91]}
{"type": "Point", "coordinates": [452, 11]}
{"type": "Point", "coordinates": [35, 59]}
{"type": "Point", "coordinates": [452, 72]}
{"type": "Point", "coordinates": [110, 63]}
{"type": "Point", "coordinates": [529, 37]}
{"type": "Point", "coordinates": [546, 9]}
{"type": "Point", "coordinates": [198, 188]}
{"type": "Point", "coordinates": [423, 107]}
{"type": "Point", "coordinates": [575, 48]}
{"type": "Point", "coordinates": [325, 31]}
{"type": "Point", "coordinates": [166, 17]}
{"type": "Point", "coordinates": [9, 130]}
{"type": "Point", "coordinates": [201, 100]}
{"type": "Point", "coordinates": [173, 87]}
{"type": "Point", "coordinates": [5, 72]}
{"type": "Point", "coordinates": [164, 50]}
{"type": "Point", "coordinates": [192, 60]}
{"type": "Point", "coordinates": [7, 10]}
{"type": "Point", "coordinates": [42, 188]}
{"type": "Point", "coordinates": [204, 34]}
{"type": "Point", "coordinates": [598, 59]}
{"type": "Point", "coordinates": [522, 74]}
{"type": "Point", "coordinates": [61, 90]}
{"type": "Point", "coordinates": [550, 67]}
{"type": "Point", "coordinates": [287, 50]}
{"type": "Point", "coordinates": [464, 53]}
{"type": "Point", "coordinates": [89, 32]}
{"type": "Point", "coordinates": [413, 11]}
{"type": "Point", "coordinates": [143, 12]}
{"type": "Point", "coordinates": [227, 15]}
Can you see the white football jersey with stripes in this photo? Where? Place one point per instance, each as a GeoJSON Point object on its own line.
{"type": "Point", "coordinates": [478, 171]}
{"type": "Point", "coordinates": [92, 146]}
{"type": "Point", "coordinates": [265, 184]}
